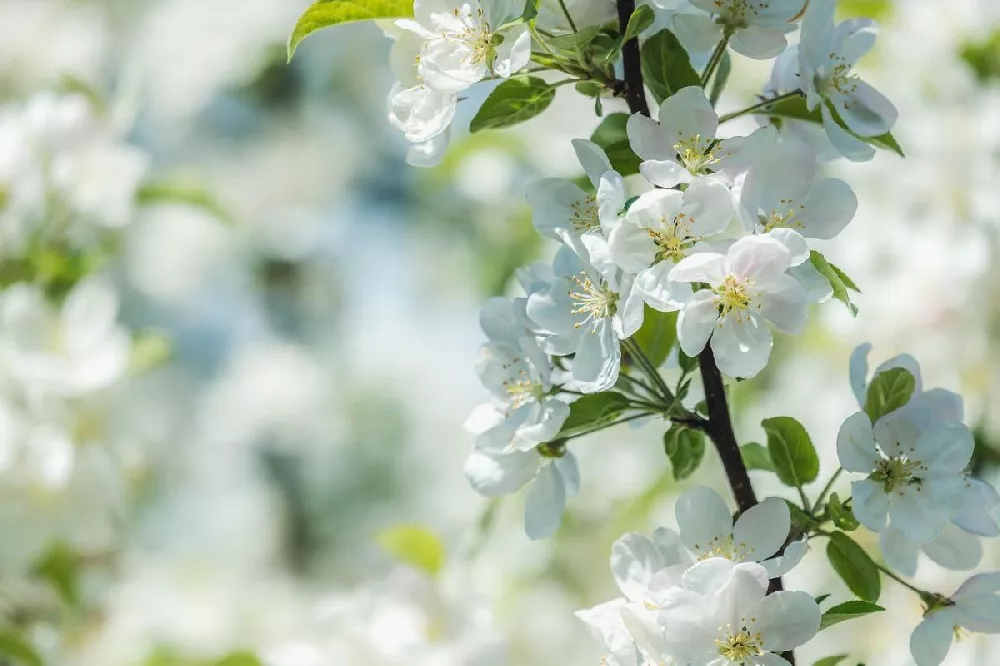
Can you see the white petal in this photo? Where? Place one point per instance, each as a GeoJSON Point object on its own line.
{"type": "Point", "coordinates": [670, 546]}
{"type": "Point", "coordinates": [849, 146]}
{"type": "Point", "coordinates": [543, 507]}
{"type": "Point", "coordinates": [632, 248]}
{"type": "Point", "coordinates": [871, 504]}
{"type": "Point", "coordinates": [634, 561]}
{"type": "Point", "coordinates": [420, 112]}
{"type": "Point", "coordinates": [946, 447]}
{"type": "Point", "coordinates": [514, 53]}
{"type": "Point", "coordinates": [817, 287]}
{"type": "Point", "coordinates": [569, 470]}
{"type": "Point", "coordinates": [701, 267]}
{"type": "Point", "coordinates": [631, 309]}
{"type": "Point", "coordinates": [856, 447]}
{"type": "Point", "coordinates": [659, 291]}
{"type": "Point", "coordinates": [900, 553]}
{"type": "Point", "coordinates": [708, 577]}
{"type": "Point", "coordinates": [869, 112]}
{"type": "Point", "coordinates": [709, 205]}
{"type": "Point", "coordinates": [450, 68]}
{"type": "Point", "coordinates": [696, 32]}
{"type": "Point", "coordinates": [786, 304]}
{"type": "Point", "coordinates": [554, 203]}
{"type": "Point", "coordinates": [762, 529]}
{"type": "Point", "coordinates": [782, 173]}
{"type": "Point", "coordinates": [931, 640]}
{"type": "Point", "coordinates": [697, 321]}
{"type": "Point", "coordinates": [742, 346]}
{"type": "Point", "coordinates": [758, 42]}
{"type": "Point", "coordinates": [547, 419]}
{"type": "Point", "coordinates": [782, 564]}
{"type": "Point", "coordinates": [916, 517]}
{"type": "Point", "coordinates": [664, 173]}
{"type": "Point", "coordinates": [759, 258]}
{"type": "Point", "coordinates": [703, 519]}
{"type": "Point", "coordinates": [648, 140]}
{"type": "Point", "coordinates": [829, 206]}
{"type": "Point", "coordinates": [787, 620]}
{"type": "Point", "coordinates": [598, 358]}
{"type": "Point", "coordinates": [494, 475]}
{"type": "Point", "coordinates": [593, 159]}
{"type": "Point", "coordinates": [793, 241]}
{"type": "Point", "coordinates": [980, 584]}
{"type": "Point", "coordinates": [687, 113]}
{"type": "Point", "coordinates": [978, 501]}
{"type": "Point", "coordinates": [428, 154]}
{"type": "Point", "coordinates": [859, 372]}
{"type": "Point", "coordinates": [954, 549]}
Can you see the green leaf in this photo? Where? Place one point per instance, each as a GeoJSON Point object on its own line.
{"type": "Point", "coordinates": [791, 450]}
{"type": "Point", "coordinates": [721, 78]}
{"type": "Point", "coordinates": [530, 10]}
{"type": "Point", "coordinates": [688, 363]}
{"type": "Point", "coordinates": [795, 108]}
{"type": "Point", "coordinates": [60, 568]}
{"type": "Point", "coordinates": [756, 456]}
{"type": "Point", "coordinates": [685, 448]}
{"type": "Point", "coordinates": [831, 661]}
{"type": "Point", "coordinates": [593, 411]}
{"type": "Point", "coordinates": [889, 390]}
{"type": "Point", "coordinates": [666, 67]}
{"type": "Point", "coordinates": [848, 611]}
{"type": "Point", "coordinates": [854, 566]}
{"type": "Point", "coordinates": [575, 42]}
{"type": "Point", "coordinates": [836, 278]}
{"type": "Point", "coordinates": [17, 649]}
{"type": "Point", "coordinates": [415, 545]}
{"type": "Point", "coordinates": [613, 138]}
{"type": "Point", "coordinates": [150, 350]}
{"type": "Point", "coordinates": [239, 659]}
{"type": "Point", "coordinates": [641, 19]}
{"type": "Point", "coordinates": [513, 102]}
{"type": "Point", "coordinates": [801, 522]}
{"type": "Point", "coordinates": [821, 598]}
{"type": "Point", "coordinates": [658, 334]}
{"type": "Point", "coordinates": [181, 191]}
{"type": "Point", "coordinates": [842, 516]}
{"type": "Point", "coordinates": [325, 13]}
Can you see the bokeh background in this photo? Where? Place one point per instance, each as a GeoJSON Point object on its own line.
{"type": "Point", "coordinates": [321, 302]}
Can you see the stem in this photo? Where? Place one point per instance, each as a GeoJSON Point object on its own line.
{"type": "Point", "coordinates": [716, 57]}
{"type": "Point", "coordinates": [760, 106]}
{"type": "Point", "coordinates": [534, 33]}
{"type": "Point", "coordinates": [638, 382]}
{"type": "Point", "coordinates": [890, 574]}
{"type": "Point", "coordinates": [720, 430]}
{"type": "Point", "coordinates": [664, 391]}
{"type": "Point", "coordinates": [828, 487]}
{"type": "Point", "coordinates": [632, 417]}
{"type": "Point", "coordinates": [635, 93]}
{"type": "Point", "coordinates": [572, 25]}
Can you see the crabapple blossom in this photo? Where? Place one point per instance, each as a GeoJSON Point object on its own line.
{"type": "Point", "coordinates": [661, 228]}
{"type": "Point", "coordinates": [758, 27]}
{"type": "Point", "coordinates": [747, 287]}
{"type": "Point", "coordinates": [561, 209]}
{"type": "Point", "coordinates": [974, 607]}
{"type": "Point", "coordinates": [782, 197]}
{"type": "Point", "coordinates": [586, 308]}
{"type": "Point", "coordinates": [420, 112]}
{"type": "Point", "coordinates": [827, 56]}
{"type": "Point", "coordinates": [683, 144]}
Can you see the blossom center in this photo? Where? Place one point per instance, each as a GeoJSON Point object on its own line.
{"type": "Point", "coordinates": [521, 388]}
{"type": "Point", "coordinates": [739, 646]}
{"type": "Point", "coordinates": [586, 214]}
{"type": "Point", "coordinates": [733, 295]}
{"type": "Point", "coordinates": [697, 154]}
{"type": "Point", "coordinates": [476, 34]}
{"type": "Point", "coordinates": [776, 219]}
{"type": "Point", "coordinates": [841, 79]}
{"type": "Point", "coordinates": [595, 301]}
{"type": "Point", "coordinates": [735, 13]}
{"type": "Point", "coordinates": [895, 472]}
{"type": "Point", "coordinates": [673, 239]}
{"type": "Point", "coordinates": [723, 547]}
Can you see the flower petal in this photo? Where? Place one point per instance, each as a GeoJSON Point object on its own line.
{"type": "Point", "coordinates": [697, 321]}
{"type": "Point", "coordinates": [495, 474]}
{"type": "Point", "coordinates": [856, 446]}
{"type": "Point", "coordinates": [787, 620]}
{"type": "Point", "coordinates": [931, 640]}
{"type": "Point", "coordinates": [871, 504]}
{"type": "Point", "coordinates": [786, 304]}
{"type": "Point", "coordinates": [782, 564]}
{"type": "Point", "coordinates": [544, 504]}
{"type": "Point", "coordinates": [664, 173]}
{"type": "Point", "coordinates": [763, 529]}
{"type": "Point", "coordinates": [742, 345]}
{"type": "Point", "coordinates": [593, 159]}
{"type": "Point", "coordinates": [634, 561]}
{"type": "Point", "coordinates": [954, 549]}
{"type": "Point", "coordinates": [899, 552]}
{"type": "Point", "coordinates": [648, 140]}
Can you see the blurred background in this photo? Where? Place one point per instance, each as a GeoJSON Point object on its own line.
{"type": "Point", "coordinates": [293, 468]}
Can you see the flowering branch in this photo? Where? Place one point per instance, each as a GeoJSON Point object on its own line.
{"type": "Point", "coordinates": [635, 93]}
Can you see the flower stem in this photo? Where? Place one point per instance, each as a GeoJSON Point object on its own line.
{"type": "Point", "coordinates": [895, 577]}
{"type": "Point", "coordinates": [828, 487]}
{"type": "Point", "coordinates": [760, 106]}
{"type": "Point", "coordinates": [716, 57]}
{"type": "Point", "coordinates": [654, 375]}
{"type": "Point", "coordinates": [569, 19]}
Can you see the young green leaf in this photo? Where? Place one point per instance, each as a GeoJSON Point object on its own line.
{"type": "Point", "coordinates": [756, 456]}
{"type": "Point", "coordinates": [325, 13]}
{"type": "Point", "coordinates": [658, 334]}
{"type": "Point", "coordinates": [575, 43]}
{"type": "Point", "coordinates": [513, 102]}
{"type": "Point", "coordinates": [721, 78]}
{"type": "Point", "coordinates": [239, 659]}
{"type": "Point", "coordinates": [612, 137]}
{"type": "Point", "coordinates": [666, 67]}
{"type": "Point", "coordinates": [791, 451]}
{"type": "Point", "coordinates": [831, 661]}
{"type": "Point", "coordinates": [641, 18]}
{"type": "Point", "coordinates": [842, 516]}
{"type": "Point", "coordinates": [889, 390]}
{"type": "Point", "coordinates": [17, 650]}
{"type": "Point", "coordinates": [854, 566]}
{"type": "Point", "coordinates": [795, 108]}
{"type": "Point", "coordinates": [182, 191]}
{"type": "Point", "coordinates": [848, 611]}
{"type": "Point", "coordinates": [685, 448]}
{"type": "Point", "coordinates": [838, 280]}
{"type": "Point", "coordinates": [593, 411]}
{"type": "Point", "coordinates": [413, 545]}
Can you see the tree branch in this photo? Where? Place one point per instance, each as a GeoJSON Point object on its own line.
{"type": "Point", "coordinates": [635, 93]}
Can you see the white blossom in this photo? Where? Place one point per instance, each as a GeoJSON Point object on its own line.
{"type": "Point", "coordinates": [974, 607]}
{"type": "Point", "coordinates": [420, 112]}
{"type": "Point", "coordinates": [758, 27]}
{"type": "Point", "coordinates": [747, 287]}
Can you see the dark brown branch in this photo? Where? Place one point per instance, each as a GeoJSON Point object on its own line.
{"type": "Point", "coordinates": [635, 93]}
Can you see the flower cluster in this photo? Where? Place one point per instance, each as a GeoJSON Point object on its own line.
{"type": "Point", "coordinates": [700, 596]}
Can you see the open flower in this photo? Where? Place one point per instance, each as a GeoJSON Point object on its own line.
{"type": "Point", "coordinates": [827, 55]}
{"type": "Point", "coordinates": [561, 209]}
{"type": "Point", "coordinates": [758, 27]}
{"type": "Point", "coordinates": [747, 287]}
{"type": "Point", "coordinates": [915, 474]}
{"type": "Point", "coordinates": [585, 310]}
{"type": "Point", "coordinates": [661, 228]}
{"type": "Point", "coordinates": [465, 42]}
{"type": "Point", "coordinates": [722, 616]}
{"type": "Point", "coordinates": [783, 198]}
{"type": "Point", "coordinates": [683, 145]}
{"type": "Point", "coordinates": [974, 607]}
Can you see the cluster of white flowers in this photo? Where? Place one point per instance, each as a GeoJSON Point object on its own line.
{"type": "Point", "coordinates": [700, 596]}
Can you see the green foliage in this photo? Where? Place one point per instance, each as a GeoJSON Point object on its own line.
{"type": "Point", "coordinates": [841, 515]}
{"type": "Point", "coordinates": [848, 611]}
{"type": "Point", "coordinates": [837, 278]}
{"type": "Point", "coordinates": [641, 18]}
{"type": "Point", "coordinates": [325, 13]}
{"type": "Point", "coordinates": [984, 57]}
{"type": "Point", "coordinates": [513, 102]}
{"type": "Point", "coordinates": [613, 138]}
{"type": "Point", "coordinates": [60, 569]}
{"type": "Point", "coordinates": [831, 661]}
{"type": "Point", "coordinates": [801, 521]}
{"type": "Point", "coordinates": [593, 411]}
{"type": "Point", "coordinates": [182, 191]}
{"type": "Point", "coordinates": [794, 108]}
{"type": "Point", "coordinates": [791, 451]}
{"type": "Point", "coordinates": [854, 566]}
{"type": "Point", "coordinates": [876, 9]}
{"type": "Point", "coordinates": [685, 448]}
{"type": "Point", "coordinates": [721, 78]}
{"type": "Point", "coordinates": [150, 350]}
{"type": "Point", "coordinates": [574, 43]}
{"type": "Point", "coordinates": [658, 334]}
{"type": "Point", "coordinates": [239, 659]}
{"type": "Point", "coordinates": [17, 650]}
{"type": "Point", "coordinates": [889, 390]}
{"type": "Point", "coordinates": [414, 545]}
{"type": "Point", "coordinates": [666, 66]}
{"type": "Point", "coordinates": [756, 456]}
